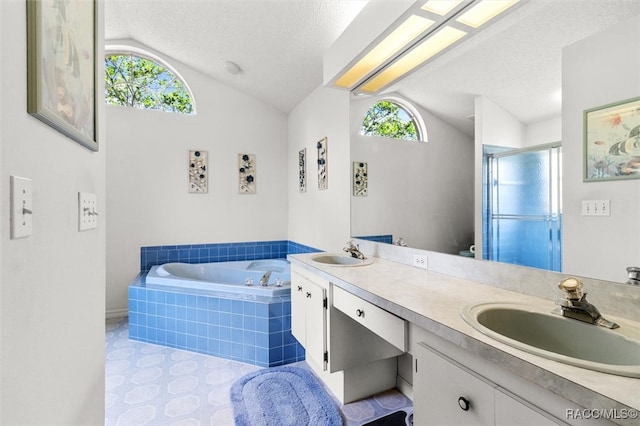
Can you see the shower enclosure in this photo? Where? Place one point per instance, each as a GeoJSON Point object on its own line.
{"type": "Point", "coordinates": [523, 206]}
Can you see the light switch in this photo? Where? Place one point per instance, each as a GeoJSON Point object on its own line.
{"type": "Point", "coordinates": [87, 211]}
{"type": "Point", "coordinates": [21, 216]}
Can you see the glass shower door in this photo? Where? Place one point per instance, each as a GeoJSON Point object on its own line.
{"type": "Point", "coordinates": [523, 212]}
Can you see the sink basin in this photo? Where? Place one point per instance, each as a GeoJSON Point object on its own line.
{"type": "Point", "coordinates": [338, 259]}
{"type": "Point", "coordinates": [541, 332]}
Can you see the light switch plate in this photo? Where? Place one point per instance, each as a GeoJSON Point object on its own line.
{"type": "Point", "coordinates": [87, 211]}
{"type": "Point", "coordinates": [21, 216]}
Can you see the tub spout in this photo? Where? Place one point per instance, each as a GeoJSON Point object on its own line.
{"type": "Point", "coordinates": [265, 278]}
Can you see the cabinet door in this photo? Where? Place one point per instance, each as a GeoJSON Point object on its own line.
{"type": "Point", "coordinates": [298, 308]}
{"type": "Point", "coordinates": [445, 394]}
{"type": "Point", "coordinates": [316, 320]}
{"type": "Point", "coordinates": [510, 410]}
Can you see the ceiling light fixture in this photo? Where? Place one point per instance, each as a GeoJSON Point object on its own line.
{"type": "Point", "coordinates": [426, 30]}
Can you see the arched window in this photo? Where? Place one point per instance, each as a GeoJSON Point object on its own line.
{"type": "Point", "coordinates": [394, 119]}
{"type": "Point", "coordinates": [138, 81]}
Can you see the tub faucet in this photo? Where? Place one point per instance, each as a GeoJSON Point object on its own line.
{"type": "Point", "coordinates": [575, 305]}
{"type": "Point", "coordinates": [265, 278]}
{"type": "Point", "coordinates": [354, 250]}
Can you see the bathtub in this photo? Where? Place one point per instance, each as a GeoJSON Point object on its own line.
{"type": "Point", "coordinates": [226, 277]}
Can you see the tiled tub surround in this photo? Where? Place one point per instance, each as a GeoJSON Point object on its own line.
{"type": "Point", "coordinates": [247, 328]}
{"type": "Point", "coordinates": [251, 329]}
{"type": "Point", "coordinates": [431, 300]}
{"type": "Point", "coordinates": [219, 252]}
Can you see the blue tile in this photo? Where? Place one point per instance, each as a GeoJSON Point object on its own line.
{"type": "Point", "coordinates": [249, 308]}
{"type": "Point", "coordinates": [290, 353]}
{"type": "Point", "coordinates": [225, 305]}
{"type": "Point", "coordinates": [181, 299]}
{"type": "Point", "coordinates": [225, 349]}
{"type": "Point", "coordinates": [275, 309]}
{"type": "Point", "coordinates": [181, 312]}
{"type": "Point", "coordinates": [236, 351]}
{"type": "Point", "coordinates": [276, 355]}
{"type": "Point", "coordinates": [172, 325]}
{"type": "Point", "coordinates": [236, 320]}
{"type": "Point", "coordinates": [276, 324]}
{"type": "Point", "coordinates": [225, 334]}
{"type": "Point", "coordinates": [192, 328]}
{"type": "Point", "coordinates": [181, 326]}
{"type": "Point", "coordinates": [181, 340]}
{"type": "Point", "coordinates": [171, 311]}
{"type": "Point", "coordinates": [201, 302]}
{"type": "Point", "coordinates": [249, 338]}
{"type": "Point", "coordinates": [249, 322]}
{"type": "Point", "coordinates": [262, 310]}
{"type": "Point", "coordinates": [236, 335]}
{"type": "Point", "coordinates": [190, 313]}
{"type": "Point", "coordinates": [225, 319]}
{"type": "Point", "coordinates": [202, 329]}
{"type": "Point", "coordinates": [275, 339]}
{"type": "Point", "coordinates": [203, 344]}
{"type": "Point", "coordinates": [262, 356]}
{"type": "Point", "coordinates": [249, 353]}
{"type": "Point", "coordinates": [192, 301]}
{"type": "Point", "coordinates": [213, 303]}
{"type": "Point", "coordinates": [213, 331]}
{"type": "Point", "coordinates": [262, 325]}
{"type": "Point", "coordinates": [192, 342]}
{"type": "Point", "coordinates": [213, 317]}
{"type": "Point", "coordinates": [262, 340]}
{"type": "Point", "coordinates": [236, 307]}
{"type": "Point", "coordinates": [287, 338]}
{"type": "Point", "coordinates": [202, 315]}
{"type": "Point", "coordinates": [213, 346]}
{"type": "Point", "coordinates": [171, 298]}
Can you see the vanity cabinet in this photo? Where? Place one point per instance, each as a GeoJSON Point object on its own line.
{"type": "Point", "coordinates": [345, 337]}
{"type": "Point", "coordinates": [309, 316]}
{"type": "Point", "coordinates": [447, 393]}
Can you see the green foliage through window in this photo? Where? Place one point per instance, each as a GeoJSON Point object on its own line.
{"type": "Point", "coordinates": [389, 120]}
{"type": "Point", "coordinates": [139, 82]}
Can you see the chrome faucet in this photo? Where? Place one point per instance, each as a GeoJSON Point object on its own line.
{"type": "Point", "coordinates": [265, 278]}
{"type": "Point", "coordinates": [575, 305]}
{"type": "Point", "coordinates": [354, 250]}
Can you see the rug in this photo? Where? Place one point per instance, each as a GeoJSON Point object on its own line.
{"type": "Point", "coordinates": [282, 396]}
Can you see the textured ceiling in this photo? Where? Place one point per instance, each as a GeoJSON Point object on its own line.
{"type": "Point", "coordinates": [279, 44]}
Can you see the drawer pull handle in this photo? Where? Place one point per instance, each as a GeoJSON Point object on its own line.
{"type": "Point", "coordinates": [308, 295]}
{"type": "Point", "coordinates": [299, 288]}
{"type": "Point", "coordinates": [360, 313]}
{"type": "Point", "coordinates": [464, 403]}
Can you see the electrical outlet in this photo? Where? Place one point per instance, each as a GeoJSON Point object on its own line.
{"type": "Point", "coordinates": [596, 208]}
{"type": "Point", "coordinates": [420, 261]}
{"type": "Point", "coordinates": [87, 211]}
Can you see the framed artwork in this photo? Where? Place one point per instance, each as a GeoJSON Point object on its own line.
{"type": "Point", "coordinates": [198, 171]}
{"type": "Point", "coordinates": [247, 173]}
{"type": "Point", "coordinates": [61, 77]}
{"type": "Point", "coordinates": [321, 146]}
{"type": "Point", "coordinates": [360, 179]}
{"type": "Point", "coordinates": [612, 141]}
{"type": "Point", "coordinates": [302, 170]}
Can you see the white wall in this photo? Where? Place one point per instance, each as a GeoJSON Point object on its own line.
{"type": "Point", "coordinates": [320, 218]}
{"type": "Point", "coordinates": [52, 283]}
{"type": "Point", "coordinates": [148, 197]}
{"type": "Point", "coordinates": [422, 192]}
{"type": "Point", "coordinates": [599, 70]}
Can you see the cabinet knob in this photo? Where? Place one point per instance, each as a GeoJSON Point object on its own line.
{"type": "Point", "coordinates": [308, 295]}
{"type": "Point", "coordinates": [464, 403]}
{"type": "Point", "coordinates": [360, 313]}
{"type": "Point", "coordinates": [299, 288]}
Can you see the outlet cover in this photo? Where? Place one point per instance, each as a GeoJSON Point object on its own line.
{"type": "Point", "coordinates": [420, 261]}
{"type": "Point", "coordinates": [87, 211]}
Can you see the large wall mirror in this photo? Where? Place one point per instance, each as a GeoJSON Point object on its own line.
{"type": "Point", "coordinates": [427, 192]}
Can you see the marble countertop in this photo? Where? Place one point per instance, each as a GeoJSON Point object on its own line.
{"type": "Point", "coordinates": [433, 301]}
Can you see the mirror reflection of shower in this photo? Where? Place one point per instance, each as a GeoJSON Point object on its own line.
{"type": "Point", "coordinates": [522, 206]}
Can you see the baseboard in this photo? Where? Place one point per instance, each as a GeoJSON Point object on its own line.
{"type": "Point", "coordinates": [117, 313]}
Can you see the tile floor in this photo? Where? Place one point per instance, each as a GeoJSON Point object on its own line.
{"type": "Point", "coordinates": [155, 385]}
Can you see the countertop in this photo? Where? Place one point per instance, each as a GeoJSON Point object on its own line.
{"type": "Point", "coordinates": [433, 301]}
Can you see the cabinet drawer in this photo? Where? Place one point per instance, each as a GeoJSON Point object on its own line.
{"type": "Point", "coordinates": [386, 325]}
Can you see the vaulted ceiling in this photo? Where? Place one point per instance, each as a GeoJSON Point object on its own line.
{"type": "Point", "coordinates": [279, 44]}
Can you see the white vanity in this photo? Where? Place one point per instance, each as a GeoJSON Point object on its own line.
{"type": "Point", "coordinates": [384, 325]}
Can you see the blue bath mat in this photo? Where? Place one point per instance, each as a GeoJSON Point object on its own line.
{"type": "Point", "coordinates": [282, 396]}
